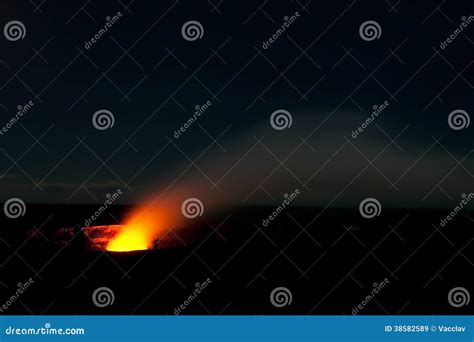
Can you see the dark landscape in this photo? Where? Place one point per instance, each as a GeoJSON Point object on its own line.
{"type": "Point", "coordinates": [330, 267]}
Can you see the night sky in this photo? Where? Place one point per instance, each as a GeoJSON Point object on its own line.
{"type": "Point", "coordinates": [320, 70]}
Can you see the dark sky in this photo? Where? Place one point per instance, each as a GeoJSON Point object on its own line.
{"type": "Point", "coordinates": [319, 70]}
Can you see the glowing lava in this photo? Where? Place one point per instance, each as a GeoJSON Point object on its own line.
{"type": "Point", "coordinates": [141, 230]}
{"type": "Point", "coordinates": [130, 239]}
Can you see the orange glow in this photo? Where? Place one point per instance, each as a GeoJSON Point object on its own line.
{"type": "Point", "coordinates": [155, 222]}
{"type": "Point", "coordinates": [142, 227]}
{"type": "Point", "coordinates": [130, 239]}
